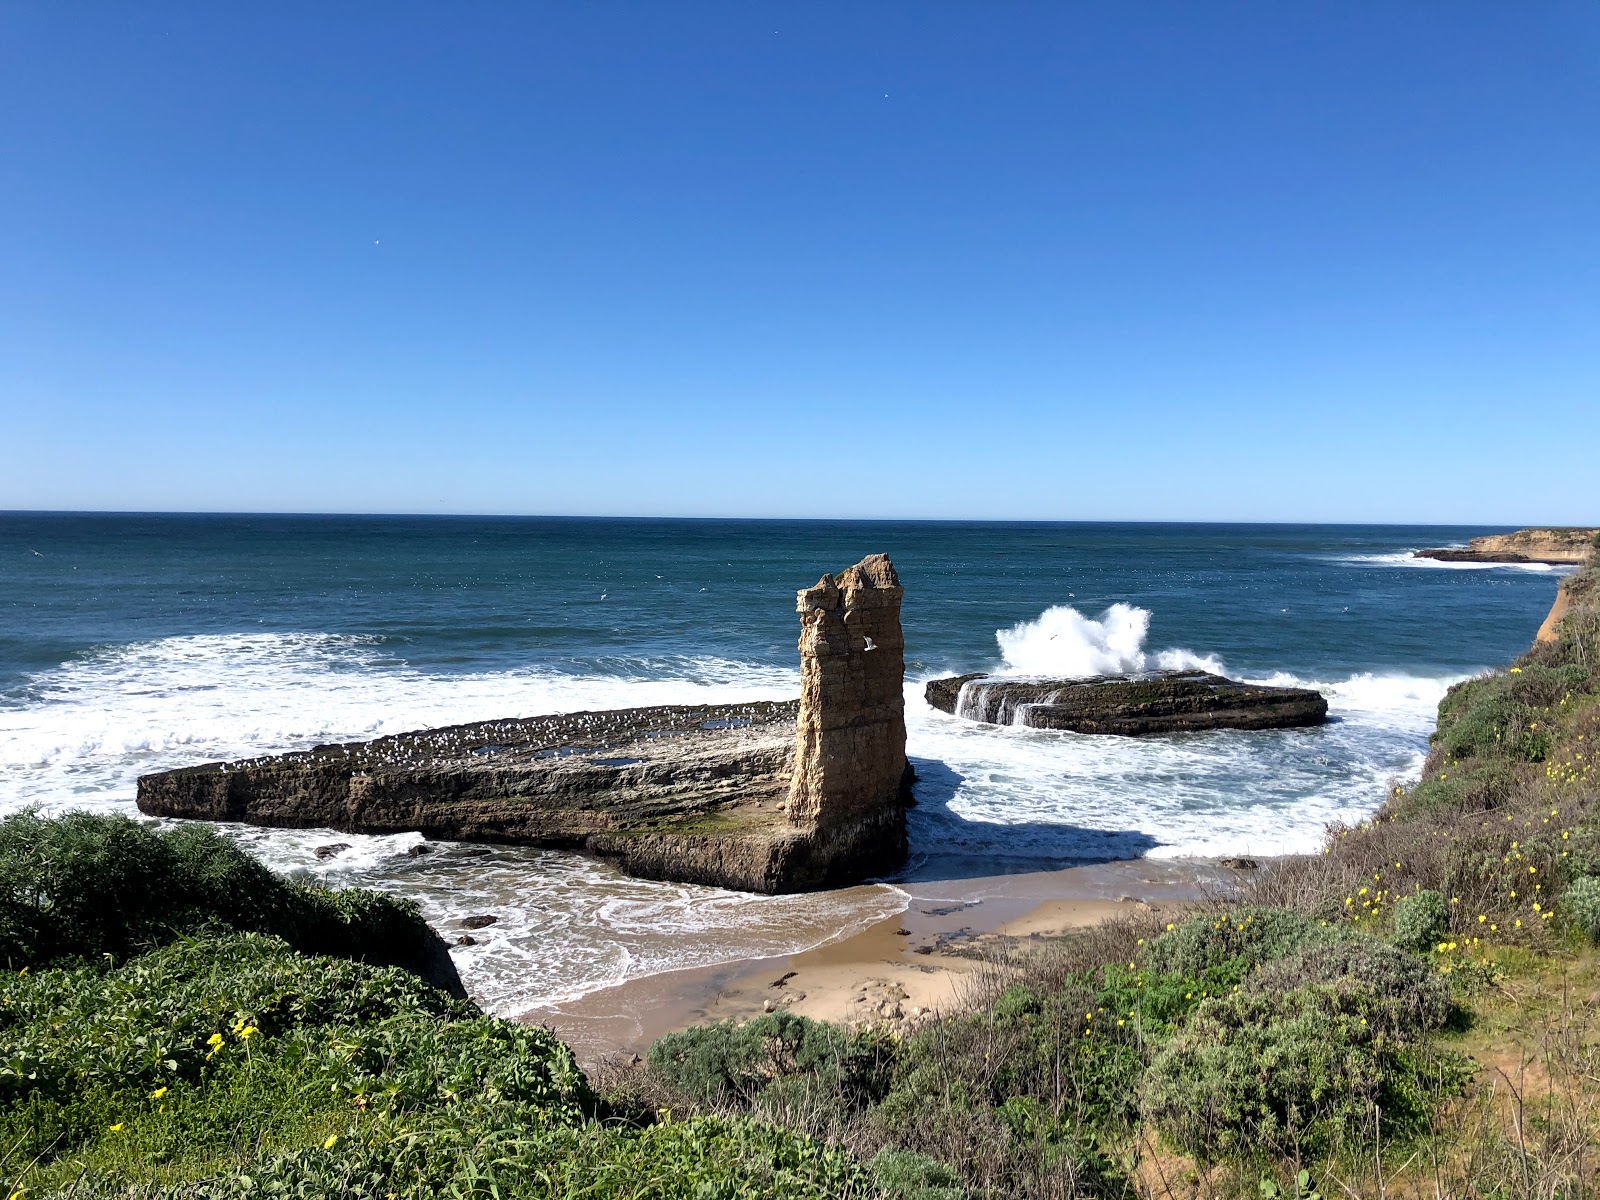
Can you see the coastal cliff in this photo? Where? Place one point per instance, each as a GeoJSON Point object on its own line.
{"type": "Point", "coordinates": [1561, 546]}
{"type": "Point", "coordinates": [763, 797]}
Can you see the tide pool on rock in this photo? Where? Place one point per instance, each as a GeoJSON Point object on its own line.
{"type": "Point", "coordinates": [135, 644]}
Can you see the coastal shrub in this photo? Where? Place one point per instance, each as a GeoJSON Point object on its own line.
{"type": "Point", "coordinates": [504, 1150]}
{"type": "Point", "coordinates": [1462, 789]}
{"type": "Point", "coordinates": [172, 1059]}
{"type": "Point", "coordinates": [89, 885]}
{"type": "Point", "coordinates": [906, 1175]}
{"type": "Point", "coordinates": [1489, 717]}
{"type": "Point", "coordinates": [1420, 921]}
{"type": "Point", "coordinates": [1235, 942]}
{"type": "Point", "coordinates": [1581, 904]}
{"type": "Point", "coordinates": [1078, 1050]}
{"type": "Point", "coordinates": [1393, 989]}
{"type": "Point", "coordinates": [782, 1061]}
{"type": "Point", "coordinates": [1292, 1072]}
{"type": "Point", "coordinates": [1541, 685]}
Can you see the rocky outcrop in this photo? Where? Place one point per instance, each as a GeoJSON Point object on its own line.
{"type": "Point", "coordinates": [850, 765]}
{"type": "Point", "coordinates": [1132, 705]}
{"type": "Point", "coordinates": [1557, 547]}
{"type": "Point", "coordinates": [696, 794]}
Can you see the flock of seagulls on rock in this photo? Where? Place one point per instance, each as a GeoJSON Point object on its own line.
{"type": "Point", "coordinates": [529, 739]}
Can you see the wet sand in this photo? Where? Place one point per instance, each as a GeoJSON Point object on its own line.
{"type": "Point", "coordinates": [896, 971]}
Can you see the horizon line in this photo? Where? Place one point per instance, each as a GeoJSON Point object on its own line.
{"type": "Point", "coordinates": [529, 516]}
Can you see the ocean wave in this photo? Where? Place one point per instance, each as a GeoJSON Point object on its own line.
{"type": "Point", "coordinates": [1034, 796]}
{"type": "Point", "coordinates": [1063, 643]}
{"type": "Point", "coordinates": [1406, 558]}
{"type": "Point", "coordinates": [121, 711]}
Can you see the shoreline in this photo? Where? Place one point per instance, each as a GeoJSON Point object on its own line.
{"type": "Point", "coordinates": [895, 972]}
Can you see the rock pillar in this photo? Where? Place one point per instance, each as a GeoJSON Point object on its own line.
{"type": "Point", "coordinates": [850, 738]}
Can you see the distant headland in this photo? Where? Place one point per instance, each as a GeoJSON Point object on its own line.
{"type": "Point", "coordinates": [1556, 546]}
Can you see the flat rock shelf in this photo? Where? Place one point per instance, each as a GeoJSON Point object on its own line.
{"type": "Point", "coordinates": [773, 796]}
{"type": "Point", "coordinates": [1131, 705]}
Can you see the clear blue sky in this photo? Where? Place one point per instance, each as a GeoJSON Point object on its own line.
{"type": "Point", "coordinates": [1272, 261]}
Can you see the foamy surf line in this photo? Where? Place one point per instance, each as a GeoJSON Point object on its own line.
{"type": "Point", "coordinates": [1037, 795]}
{"type": "Point", "coordinates": [566, 926]}
{"type": "Point", "coordinates": [1407, 558]}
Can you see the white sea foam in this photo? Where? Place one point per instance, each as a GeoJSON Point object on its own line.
{"type": "Point", "coordinates": [1063, 643]}
{"type": "Point", "coordinates": [78, 736]}
{"type": "Point", "coordinates": [1037, 795]}
{"type": "Point", "coordinates": [1406, 558]}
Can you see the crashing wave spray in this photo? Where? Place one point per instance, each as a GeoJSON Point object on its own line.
{"type": "Point", "coordinates": [1064, 644]}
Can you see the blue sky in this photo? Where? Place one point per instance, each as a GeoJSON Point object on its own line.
{"type": "Point", "coordinates": [1308, 261]}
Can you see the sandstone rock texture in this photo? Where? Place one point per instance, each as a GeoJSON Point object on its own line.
{"type": "Point", "coordinates": [772, 796]}
{"type": "Point", "coordinates": [1131, 705]}
{"type": "Point", "coordinates": [850, 738]}
{"type": "Point", "coordinates": [1556, 546]}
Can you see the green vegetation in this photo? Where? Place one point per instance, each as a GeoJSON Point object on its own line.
{"type": "Point", "coordinates": [1421, 921]}
{"type": "Point", "coordinates": [1582, 903]}
{"type": "Point", "coordinates": [86, 886]}
{"type": "Point", "coordinates": [157, 1040]}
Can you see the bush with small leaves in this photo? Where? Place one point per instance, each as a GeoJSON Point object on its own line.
{"type": "Point", "coordinates": [1580, 902]}
{"type": "Point", "coordinates": [905, 1175]}
{"type": "Point", "coordinates": [1283, 1072]}
{"type": "Point", "coordinates": [1499, 716]}
{"type": "Point", "coordinates": [798, 1061]}
{"type": "Point", "coordinates": [1462, 790]}
{"type": "Point", "coordinates": [1236, 941]}
{"type": "Point", "coordinates": [1421, 921]}
{"type": "Point", "coordinates": [1393, 989]}
{"type": "Point", "coordinates": [89, 885]}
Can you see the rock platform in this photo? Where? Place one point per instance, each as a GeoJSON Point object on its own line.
{"type": "Point", "coordinates": [775, 796]}
{"type": "Point", "coordinates": [1131, 705]}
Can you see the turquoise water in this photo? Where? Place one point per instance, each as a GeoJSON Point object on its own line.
{"type": "Point", "coordinates": [134, 643]}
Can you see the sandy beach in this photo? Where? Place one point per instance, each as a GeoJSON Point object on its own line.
{"type": "Point", "coordinates": [895, 971]}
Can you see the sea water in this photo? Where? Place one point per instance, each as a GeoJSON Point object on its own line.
{"type": "Point", "coordinates": [135, 643]}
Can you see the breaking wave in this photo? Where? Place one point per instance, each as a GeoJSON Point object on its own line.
{"type": "Point", "coordinates": [1063, 643]}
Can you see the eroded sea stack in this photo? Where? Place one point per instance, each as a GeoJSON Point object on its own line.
{"type": "Point", "coordinates": [767, 797]}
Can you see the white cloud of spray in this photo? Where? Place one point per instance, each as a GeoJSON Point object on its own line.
{"type": "Point", "coordinates": [1063, 643]}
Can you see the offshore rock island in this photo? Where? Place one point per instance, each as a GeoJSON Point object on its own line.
{"type": "Point", "coordinates": [1132, 705]}
{"type": "Point", "coordinates": [765, 797]}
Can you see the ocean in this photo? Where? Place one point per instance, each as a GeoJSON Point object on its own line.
{"type": "Point", "coordinates": [134, 643]}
